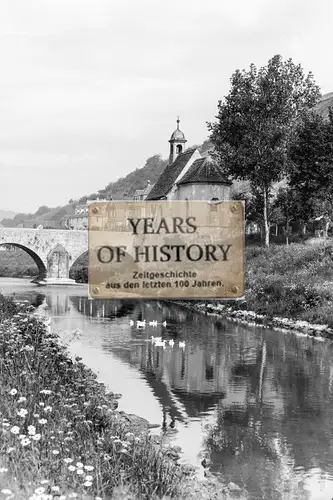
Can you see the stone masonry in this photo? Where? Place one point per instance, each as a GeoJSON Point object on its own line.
{"type": "Point", "coordinates": [54, 251]}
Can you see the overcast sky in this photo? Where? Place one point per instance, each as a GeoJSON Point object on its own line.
{"type": "Point", "coordinates": [89, 89]}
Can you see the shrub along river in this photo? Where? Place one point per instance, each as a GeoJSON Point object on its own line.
{"type": "Point", "coordinates": [257, 403]}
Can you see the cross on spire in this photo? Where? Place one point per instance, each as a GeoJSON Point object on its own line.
{"type": "Point", "coordinates": [178, 122]}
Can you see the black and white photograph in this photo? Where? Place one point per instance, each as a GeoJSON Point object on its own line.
{"type": "Point", "coordinates": [201, 375]}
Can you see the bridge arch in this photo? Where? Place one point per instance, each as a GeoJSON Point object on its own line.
{"type": "Point", "coordinates": [42, 271]}
{"type": "Point", "coordinates": [78, 269]}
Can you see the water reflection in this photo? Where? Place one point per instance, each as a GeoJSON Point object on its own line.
{"type": "Point", "coordinates": [258, 403]}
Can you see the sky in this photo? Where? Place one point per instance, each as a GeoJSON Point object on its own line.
{"type": "Point", "coordinates": [89, 89]}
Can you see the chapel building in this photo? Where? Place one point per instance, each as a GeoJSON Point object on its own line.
{"type": "Point", "coordinates": [190, 175]}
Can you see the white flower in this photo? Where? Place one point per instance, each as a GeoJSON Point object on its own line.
{"type": "Point", "coordinates": [22, 413]}
{"type": "Point", "coordinates": [3, 469]}
{"type": "Point", "coordinates": [87, 483]}
{"type": "Point", "coordinates": [68, 460]}
{"type": "Point", "coordinates": [10, 449]}
{"type": "Point", "coordinates": [42, 421]}
{"type": "Point", "coordinates": [44, 481]}
{"type": "Point", "coordinates": [79, 464]}
{"type": "Point", "coordinates": [79, 471]}
{"type": "Point", "coordinates": [36, 437]}
{"type": "Point", "coordinates": [55, 488]}
{"type": "Point", "coordinates": [45, 391]}
{"type": "Point", "coordinates": [42, 404]}
{"type": "Point", "coordinates": [22, 399]}
{"type": "Point", "coordinates": [89, 478]}
{"type": "Point", "coordinates": [72, 468]}
{"type": "Point", "coordinates": [13, 392]}
{"type": "Point", "coordinates": [48, 409]}
{"type": "Point", "coordinates": [15, 429]}
{"type": "Point", "coordinates": [39, 491]}
{"type": "Point", "coordinates": [31, 430]}
{"type": "Point", "coordinates": [55, 452]}
{"type": "Point", "coordinates": [25, 442]}
{"type": "Point", "coordinates": [6, 492]}
{"type": "Point", "coordinates": [89, 467]}
{"type": "Point", "coordinates": [36, 415]}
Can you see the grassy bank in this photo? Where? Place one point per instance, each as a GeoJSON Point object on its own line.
{"type": "Point", "coordinates": [293, 281]}
{"type": "Point", "coordinates": [61, 434]}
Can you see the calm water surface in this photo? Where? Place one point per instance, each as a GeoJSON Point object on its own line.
{"type": "Point", "coordinates": [258, 403]}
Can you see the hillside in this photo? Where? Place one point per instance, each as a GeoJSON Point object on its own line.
{"type": "Point", "coordinates": [325, 103]}
{"type": "Point", "coordinates": [6, 214]}
{"type": "Point", "coordinates": [121, 189]}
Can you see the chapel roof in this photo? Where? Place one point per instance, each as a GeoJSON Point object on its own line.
{"type": "Point", "coordinates": [204, 171]}
{"type": "Point", "coordinates": [169, 175]}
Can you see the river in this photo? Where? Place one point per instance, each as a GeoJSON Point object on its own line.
{"type": "Point", "coordinates": [257, 402]}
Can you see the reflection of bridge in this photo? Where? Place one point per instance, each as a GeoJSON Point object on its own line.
{"type": "Point", "coordinates": [54, 251]}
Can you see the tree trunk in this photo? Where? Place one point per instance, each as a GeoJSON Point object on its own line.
{"type": "Point", "coordinates": [287, 233]}
{"type": "Point", "coordinates": [276, 229]}
{"type": "Point", "coordinates": [304, 229]}
{"type": "Point", "coordinates": [266, 222]}
{"type": "Point", "coordinates": [327, 225]}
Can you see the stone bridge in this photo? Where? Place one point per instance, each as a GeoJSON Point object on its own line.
{"type": "Point", "coordinates": [54, 251]}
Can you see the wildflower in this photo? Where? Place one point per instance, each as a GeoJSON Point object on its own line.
{"type": "Point", "coordinates": [21, 399]}
{"type": "Point", "coordinates": [6, 492]}
{"type": "Point", "coordinates": [45, 391]}
{"type": "Point", "coordinates": [15, 429]}
{"type": "Point", "coordinates": [36, 437]}
{"type": "Point", "coordinates": [25, 442]}
{"type": "Point", "coordinates": [3, 469]}
{"type": "Point", "coordinates": [87, 483]}
{"type": "Point", "coordinates": [55, 452]}
{"type": "Point", "coordinates": [72, 468]}
{"type": "Point", "coordinates": [22, 413]}
{"type": "Point", "coordinates": [89, 468]}
{"type": "Point", "coordinates": [79, 471]}
{"type": "Point", "coordinates": [5, 424]}
{"type": "Point", "coordinates": [44, 481]}
{"type": "Point", "coordinates": [13, 392]}
{"type": "Point", "coordinates": [31, 430]}
{"type": "Point", "coordinates": [36, 415]}
{"type": "Point", "coordinates": [79, 464]}
{"type": "Point", "coordinates": [68, 460]}
{"type": "Point", "coordinates": [10, 449]}
{"type": "Point", "coordinates": [39, 491]}
{"type": "Point", "coordinates": [47, 409]}
{"type": "Point", "coordinates": [55, 488]}
{"type": "Point", "coordinates": [42, 421]}
{"type": "Point", "coordinates": [41, 403]}
{"type": "Point", "coordinates": [89, 478]}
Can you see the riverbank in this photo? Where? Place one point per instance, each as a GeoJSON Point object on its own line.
{"type": "Point", "coordinates": [288, 288]}
{"type": "Point", "coordinates": [62, 434]}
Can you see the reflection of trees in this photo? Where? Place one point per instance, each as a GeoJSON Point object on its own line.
{"type": "Point", "coordinates": [287, 398]}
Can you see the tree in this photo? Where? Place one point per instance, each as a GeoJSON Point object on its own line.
{"type": "Point", "coordinates": [311, 166]}
{"type": "Point", "coordinates": [256, 123]}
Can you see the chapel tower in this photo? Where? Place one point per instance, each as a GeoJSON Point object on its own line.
{"type": "Point", "coordinates": [177, 143]}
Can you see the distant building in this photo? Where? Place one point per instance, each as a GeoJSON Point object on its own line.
{"type": "Point", "coordinates": [142, 194]}
{"type": "Point", "coordinates": [78, 220]}
{"type": "Point", "coordinates": [190, 175]}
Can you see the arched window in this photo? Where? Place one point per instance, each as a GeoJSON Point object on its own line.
{"type": "Point", "coordinates": [179, 148]}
